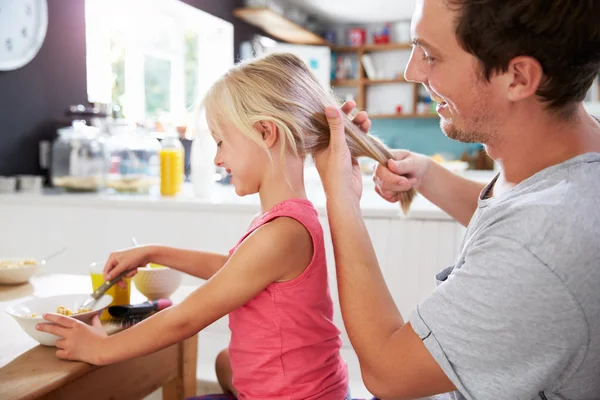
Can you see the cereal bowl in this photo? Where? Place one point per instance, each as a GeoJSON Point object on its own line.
{"type": "Point", "coordinates": [29, 313]}
{"type": "Point", "coordinates": [14, 271]}
{"type": "Point", "coordinates": [157, 282]}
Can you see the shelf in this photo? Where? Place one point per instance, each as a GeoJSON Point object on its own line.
{"type": "Point", "coordinates": [388, 47]}
{"type": "Point", "coordinates": [372, 48]}
{"type": "Point", "coordinates": [403, 116]}
{"type": "Point", "coordinates": [345, 83]}
{"type": "Point", "coordinates": [384, 81]}
{"type": "Point", "coordinates": [278, 26]}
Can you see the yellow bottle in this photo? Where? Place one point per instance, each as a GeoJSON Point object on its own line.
{"type": "Point", "coordinates": [171, 165]}
{"type": "Point", "coordinates": [121, 296]}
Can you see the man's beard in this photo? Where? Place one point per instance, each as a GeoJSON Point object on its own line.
{"type": "Point", "coordinates": [481, 130]}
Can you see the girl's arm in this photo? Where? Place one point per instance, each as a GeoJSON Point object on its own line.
{"type": "Point", "coordinates": [275, 251]}
{"type": "Point", "coordinates": [201, 264]}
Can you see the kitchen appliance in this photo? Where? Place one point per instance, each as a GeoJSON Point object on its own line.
{"type": "Point", "coordinates": [132, 160]}
{"type": "Point", "coordinates": [79, 158]}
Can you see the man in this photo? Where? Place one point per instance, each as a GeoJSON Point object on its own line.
{"type": "Point", "coordinates": [518, 314]}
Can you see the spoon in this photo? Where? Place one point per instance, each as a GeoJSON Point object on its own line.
{"type": "Point", "coordinates": [89, 303]}
{"type": "Point", "coordinates": [45, 260]}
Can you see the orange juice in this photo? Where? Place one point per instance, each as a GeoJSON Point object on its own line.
{"type": "Point", "coordinates": [120, 295]}
{"type": "Point", "coordinates": [171, 166]}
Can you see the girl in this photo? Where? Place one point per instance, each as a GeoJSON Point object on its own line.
{"type": "Point", "coordinates": [265, 116]}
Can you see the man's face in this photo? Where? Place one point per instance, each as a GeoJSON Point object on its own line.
{"type": "Point", "coordinates": [469, 106]}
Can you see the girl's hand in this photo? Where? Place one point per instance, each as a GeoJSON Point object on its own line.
{"type": "Point", "coordinates": [125, 260]}
{"type": "Point", "coordinates": [79, 341]}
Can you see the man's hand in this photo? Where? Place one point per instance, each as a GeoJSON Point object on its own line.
{"type": "Point", "coordinates": [406, 171]}
{"type": "Point", "coordinates": [339, 172]}
{"type": "Point", "coordinates": [361, 119]}
{"type": "Point", "coordinates": [79, 341]}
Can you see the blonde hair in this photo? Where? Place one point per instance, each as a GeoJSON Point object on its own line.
{"type": "Point", "coordinates": [279, 88]}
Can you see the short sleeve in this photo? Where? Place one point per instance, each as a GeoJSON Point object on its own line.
{"type": "Point", "coordinates": [503, 325]}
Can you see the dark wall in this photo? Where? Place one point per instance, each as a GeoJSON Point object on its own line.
{"type": "Point", "coordinates": [30, 97]}
{"type": "Point", "coordinates": [33, 97]}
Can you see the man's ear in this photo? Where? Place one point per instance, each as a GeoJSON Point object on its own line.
{"type": "Point", "coordinates": [269, 132]}
{"type": "Point", "coordinates": [525, 77]}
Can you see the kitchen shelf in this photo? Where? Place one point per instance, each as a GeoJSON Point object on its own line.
{"type": "Point", "coordinates": [383, 81]}
{"type": "Point", "coordinates": [278, 26]}
{"type": "Point", "coordinates": [345, 83]}
{"type": "Point", "coordinates": [403, 116]}
{"type": "Point", "coordinates": [371, 48]}
{"type": "Point", "coordinates": [363, 83]}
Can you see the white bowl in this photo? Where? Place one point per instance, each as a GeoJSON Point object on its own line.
{"type": "Point", "coordinates": [22, 312]}
{"type": "Point", "coordinates": [17, 274]}
{"type": "Point", "coordinates": [158, 282]}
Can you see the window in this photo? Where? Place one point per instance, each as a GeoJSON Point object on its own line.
{"type": "Point", "coordinates": [153, 59]}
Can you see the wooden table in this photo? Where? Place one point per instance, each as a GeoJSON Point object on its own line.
{"type": "Point", "coordinates": [32, 371]}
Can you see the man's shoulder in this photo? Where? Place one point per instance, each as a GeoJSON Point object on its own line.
{"type": "Point", "coordinates": [562, 200]}
{"type": "Point", "coordinates": [556, 219]}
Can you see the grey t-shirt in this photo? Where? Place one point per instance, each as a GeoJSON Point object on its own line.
{"type": "Point", "coordinates": [518, 314]}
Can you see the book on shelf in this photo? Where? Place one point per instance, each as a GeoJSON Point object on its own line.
{"type": "Point", "coordinates": [370, 70]}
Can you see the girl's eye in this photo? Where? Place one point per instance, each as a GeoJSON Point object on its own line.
{"type": "Point", "coordinates": [219, 143]}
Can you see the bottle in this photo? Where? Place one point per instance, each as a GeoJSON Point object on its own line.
{"type": "Point", "coordinates": [171, 165]}
{"type": "Point", "coordinates": [202, 158]}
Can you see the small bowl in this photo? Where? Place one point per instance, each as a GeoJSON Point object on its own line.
{"type": "Point", "coordinates": [22, 312]}
{"type": "Point", "coordinates": [157, 282]}
{"type": "Point", "coordinates": [14, 275]}
{"type": "Point", "coordinates": [29, 183]}
{"type": "Point", "coordinates": [8, 184]}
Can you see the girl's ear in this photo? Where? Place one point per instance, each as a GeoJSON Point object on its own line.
{"type": "Point", "coordinates": [269, 132]}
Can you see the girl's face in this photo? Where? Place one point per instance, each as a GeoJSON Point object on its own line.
{"type": "Point", "coordinates": [244, 159]}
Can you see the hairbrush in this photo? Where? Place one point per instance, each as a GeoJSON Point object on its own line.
{"type": "Point", "coordinates": [131, 314]}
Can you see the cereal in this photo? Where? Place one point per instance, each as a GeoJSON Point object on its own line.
{"type": "Point", "coordinates": [6, 264]}
{"type": "Point", "coordinates": [66, 311]}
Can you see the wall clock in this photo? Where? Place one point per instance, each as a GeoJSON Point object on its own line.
{"type": "Point", "coordinates": [23, 26]}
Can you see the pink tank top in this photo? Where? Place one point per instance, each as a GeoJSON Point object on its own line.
{"type": "Point", "coordinates": [284, 344]}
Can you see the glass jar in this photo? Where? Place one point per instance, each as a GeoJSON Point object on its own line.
{"type": "Point", "coordinates": [79, 158]}
{"type": "Point", "coordinates": [171, 165]}
{"type": "Point", "coordinates": [133, 161]}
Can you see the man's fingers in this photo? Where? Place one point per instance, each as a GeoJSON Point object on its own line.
{"type": "Point", "coordinates": [365, 126]}
{"type": "Point", "coordinates": [401, 154]}
{"type": "Point", "coordinates": [389, 181]}
{"type": "Point", "coordinates": [336, 127]}
{"type": "Point", "coordinates": [362, 120]}
{"type": "Point", "coordinates": [402, 167]}
{"type": "Point", "coordinates": [387, 196]}
{"type": "Point", "coordinates": [348, 106]}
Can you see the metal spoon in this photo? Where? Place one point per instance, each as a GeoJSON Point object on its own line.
{"type": "Point", "coordinates": [89, 303]}
{"type": "Point", "coordinates": [45, 260]}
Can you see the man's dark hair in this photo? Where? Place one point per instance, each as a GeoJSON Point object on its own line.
{"type": "Point", "coordinates": [562, 35]}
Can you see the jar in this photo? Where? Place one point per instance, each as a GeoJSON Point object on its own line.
{"type": "Point", "coordinates": [78, 158]}
{"type": "Point", "coordinates": [171, 165]}
{"type": "Point", "coordinates": [132, 161]}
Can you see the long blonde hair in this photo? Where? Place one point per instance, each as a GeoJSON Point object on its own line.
{"type": "Point", "coordinates": [279, 88]}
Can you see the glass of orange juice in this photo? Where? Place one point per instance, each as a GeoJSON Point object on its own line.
{"type": "Point", "coordinates": [119, 294]}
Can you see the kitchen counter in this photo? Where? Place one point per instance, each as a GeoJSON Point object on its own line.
{"type": "Point", "coordinates": [224, 199]}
